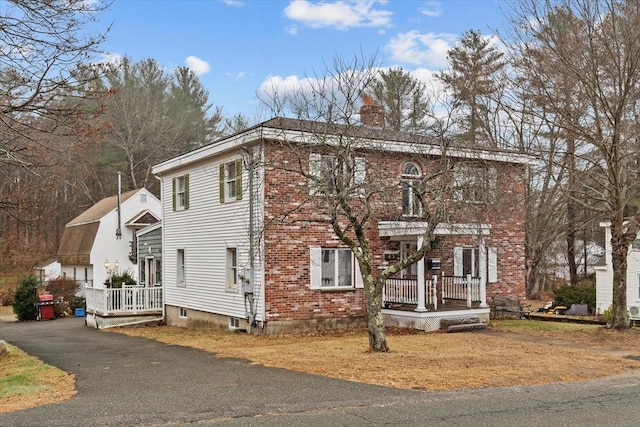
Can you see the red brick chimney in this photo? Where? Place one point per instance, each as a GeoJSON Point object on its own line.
{"type": "Point", "coordinates": [371, 114]}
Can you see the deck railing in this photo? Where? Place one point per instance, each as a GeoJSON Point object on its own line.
{"type": "Point", "coordinates": [405, 291]}
{"type": "Point", "coordinates": [130, 299]}
{"type": "Point", "coordinates": [461, 288]}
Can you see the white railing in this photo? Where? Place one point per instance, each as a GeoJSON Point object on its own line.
{"type": "Point", "coordinates": [130, 299]}
{"type": "Point", "coordinates": [405, 291]}
{"type": "Point", "coordinates": [461, 288]}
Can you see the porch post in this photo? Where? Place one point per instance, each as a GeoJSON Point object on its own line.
{"type": "Point", "coordinates": [484, 270]}
{"type": "Point", "coordinates": [421, 282]}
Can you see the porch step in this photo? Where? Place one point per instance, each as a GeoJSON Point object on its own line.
{"type": "Point", "coordinates": [463, 324]}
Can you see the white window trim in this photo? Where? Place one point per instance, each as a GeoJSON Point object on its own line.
{"type": "Point", "coordinates": [492, 267]}
{"type": "Point", "coordinates": [231, 271]}
{"type": "Point", "coordinates": [180, 182]}
{"type": "Point", "coordinates": [181, 270]}
{"type": "Point", "coordinates": [315, 271]}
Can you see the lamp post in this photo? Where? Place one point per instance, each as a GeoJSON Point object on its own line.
{"type": "Point", "coordinates": [110, 271]}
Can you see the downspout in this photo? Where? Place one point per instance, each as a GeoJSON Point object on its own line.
{"type": "Point", "coordinates": [162, 246]}
{"type": "Point", "coordinates": [249, 293]}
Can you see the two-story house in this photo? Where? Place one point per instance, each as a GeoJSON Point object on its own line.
{"type": "Point", "coordinates": [246, 243]}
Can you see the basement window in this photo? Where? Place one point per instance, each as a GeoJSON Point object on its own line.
{"type": "Point", "coordinates": [183, 313]}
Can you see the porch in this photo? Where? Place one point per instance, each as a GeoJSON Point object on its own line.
{"type": "Point", "coordinates": [110, 307]}
{"type": "Point", "coordinates": [441, 297]}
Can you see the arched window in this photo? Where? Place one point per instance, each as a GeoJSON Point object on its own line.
{"type": "Point", "coordinates": [411, 190]}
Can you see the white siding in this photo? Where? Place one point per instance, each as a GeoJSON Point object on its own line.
{"type": "Point", "coordinates": [205, 230]}
{"type": "Point", "coordinates": [604, 278]}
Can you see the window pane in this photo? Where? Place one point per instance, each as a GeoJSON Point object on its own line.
{"type": "Point", "coordinates": [344, 268]}
{"type": "Point", "coordinates": [328, 267]}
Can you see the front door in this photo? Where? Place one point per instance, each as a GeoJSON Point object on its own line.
{"type": "Point", "coordinates": [406, 249]}
{"type": "Point", "coordinates": [149, 271]}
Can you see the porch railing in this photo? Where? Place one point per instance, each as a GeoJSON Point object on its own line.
{"type": "Point", "coordinates": [461, 288]}
{"type": "Point", "coordinates": [405, 291]}
{"type": "Point", "coordinates": [130, 299]}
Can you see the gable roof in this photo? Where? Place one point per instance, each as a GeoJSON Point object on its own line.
{"type": "Point", "coordinates": [80, 233]}
{"type": "Point", "coordinates": [102, 208]}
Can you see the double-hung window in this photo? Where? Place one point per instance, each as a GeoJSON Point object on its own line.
{"type": "Point", "coordinates": [474, 260]}
{"type": "Point", "coordinates": [330, 175]}
{"type": "Point", "coordinates": [474, 183]}
{"type": "Point", "coordinates": [231, 181]}
{"type": "Point", "coordinates": [334, 268]}
{"type": "Point", "coordinates": [411, 195]}
{"type": "Point", "coordinates": [232, 269]}
{"type": "Point", "coordinates": [181, 193]}
{"type": "Point", "coordinates": [180, 268]}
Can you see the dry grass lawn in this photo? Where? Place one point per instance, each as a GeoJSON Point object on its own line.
{"type": "Point", "coordinates": [510, 353]}
{"type": "Point", "coordinates": [429, 361]}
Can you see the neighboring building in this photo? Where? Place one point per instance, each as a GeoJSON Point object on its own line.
{"type": "Point", "coordinates": [241, 250]}
{"type": "Point", "coordinates": [604, 277]}
{"type": "Point", "coordinates": [150, 255]}
{"type": "Point", "coordinates": [47, 270]}
{"type": "Point", "coordinates": [91, 246]}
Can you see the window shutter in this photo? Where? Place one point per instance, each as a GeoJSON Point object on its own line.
{"type": "Point", "coordinates": [458, 181]}
{"type": "Point", "coordinates": [315, 161]}
{"type": "Point", "coordinates": [457, 261]}
{"type": "Point", "coordinates": [492, 184]}
{"type": "Point", "coordinates": [221, 181]}
{"type": "Point", "coordinates": [186, 191]}
{"type": "Point", "coordinates": [493, 265]}
{"type": "Point", "coordinates": [238, 179]}
{"type": "Point", "coordinates": [173, 194]}
{"type": "Point", "coordinates": [358, 274]}
{"type": "Point", "coordinates": [315, 268]}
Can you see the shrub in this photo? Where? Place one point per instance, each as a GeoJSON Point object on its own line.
{"type": "Point", "coordinates": [119, 279]}
{"type": "Point", "coordinates": [63, 290]}
{"type": "Point", "coordinates": [25, 298]}
{"type": "Point", "coordinates": [580, 294]}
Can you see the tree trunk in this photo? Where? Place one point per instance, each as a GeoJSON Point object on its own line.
{"type": "Point", "coordinates": [619, 249]}
{"type": "Point", "coordinates": [375, 321]}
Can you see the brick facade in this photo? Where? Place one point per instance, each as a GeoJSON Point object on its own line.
{"type": "Point", "coordinates": [288, 297]}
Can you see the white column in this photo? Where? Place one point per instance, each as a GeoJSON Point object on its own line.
{"type": "Point", "coordinates": [421, 281]}
{"type": "Point", "coordinates": [484, 273]}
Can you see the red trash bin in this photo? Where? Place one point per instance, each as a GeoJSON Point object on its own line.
{"type": "Point", "coordinates": [45, 307]}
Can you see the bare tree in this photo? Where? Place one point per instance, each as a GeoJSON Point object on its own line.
{"type": "Point", "coordinates": [351, 189]}
{"type": "Point", "coordinates": [42, 42]}
{"type": "Point", "coordinates": [595, 45]}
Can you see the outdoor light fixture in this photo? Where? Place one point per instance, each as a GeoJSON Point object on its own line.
{"type": "Point", "coordinates": [106, 264]}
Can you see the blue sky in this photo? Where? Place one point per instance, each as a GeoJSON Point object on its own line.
{"type": "Point", "coordinates": [238, 46]}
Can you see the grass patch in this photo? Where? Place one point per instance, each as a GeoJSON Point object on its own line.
{"type": "Point", "coordinates": [25, 382]}
{"type": "Point", "coordinates": [519, 326]}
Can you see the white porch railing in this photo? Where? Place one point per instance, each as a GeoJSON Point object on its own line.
{"type": "Point", "coordinates": [461, 289]}
{"type": "Point", "coordinates": [131, 299]}
{"type": "Point", "coordinates": [405, 291]}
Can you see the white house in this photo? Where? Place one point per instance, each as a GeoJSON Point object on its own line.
{"type": "Point", "coordinates": [604, 277]}
{"type": "Point", "coordinates": [102, 239]}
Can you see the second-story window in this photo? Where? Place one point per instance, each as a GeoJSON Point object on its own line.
{"type": "Point", "coordinates": [231, 181]}
{"type": "Point", "coordinates": [331, 175]}
{"type": "Point", "coordinates": [181, 193]}
{"type": "Point", "coordinates": [474, 183]}
{"type": "Point", "coordinates": [411, 194]}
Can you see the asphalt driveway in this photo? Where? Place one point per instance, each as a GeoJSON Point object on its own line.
{"type": "Point", "coordinates": [128, 381]}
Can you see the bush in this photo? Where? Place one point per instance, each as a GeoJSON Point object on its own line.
{"type": "Point", "coordinates": [64, 291]}
{"type": "Point", "coordinates": [119, 279]}
{"type": "Point", "coordinates": [25, 298]}
{"type": "Point", "coordinates": [580, 294]}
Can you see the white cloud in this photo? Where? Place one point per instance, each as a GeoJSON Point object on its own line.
{"type": "Point", "coordinates": [197, 65]}
{"type": "Point", "coordinates": [341, 14]}
{"type": "Point", "coordinates": [236, 3]}
{"type": "Point", "coordinates": [110, 58]}
{"type": "Point", "coordinates": [421, 49]}
{"type": "Point", "coordinates": [237, 76]}
{"type": "Point", "coordinates": [432, 9]}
